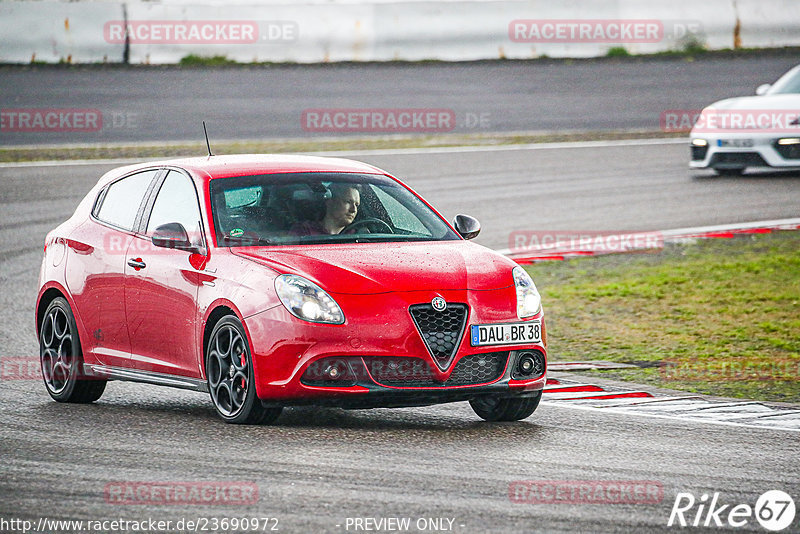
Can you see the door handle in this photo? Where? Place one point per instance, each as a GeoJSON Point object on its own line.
{"type": "Point", "coordinates": [137, 263]}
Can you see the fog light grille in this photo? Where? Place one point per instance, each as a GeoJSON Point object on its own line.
{"type": "Point", "coordinates": [528, 364]}
{"type": "Point", "coordinates": [788, 151]}
{"type": "Point", "coordinates": [699, 152]}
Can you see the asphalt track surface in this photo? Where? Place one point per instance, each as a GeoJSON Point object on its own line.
{"type": "Point", "coordinates": [318, 467]}
{"type": "Point", "coordinates": [145, 104]}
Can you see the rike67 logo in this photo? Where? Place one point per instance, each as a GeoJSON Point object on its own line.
{"type": "Point", "coordinates": [774, 511]}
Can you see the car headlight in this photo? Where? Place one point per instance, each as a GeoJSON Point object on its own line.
{"type": "Point", "coordinates": [528, 300]}
{"type": "Point", "coordinates": [789, 140]}
{"type": "Point", "coordinates": [306, 300]}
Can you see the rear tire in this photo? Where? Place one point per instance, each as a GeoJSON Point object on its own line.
{"type": "Point", "coordinates": [230, 376]}
{"type": "Point", "coordinates": [61, 357]}
{"type": "Point", "coordinates": [496, 408]}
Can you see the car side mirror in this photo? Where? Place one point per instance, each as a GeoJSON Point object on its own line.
{"type": "Point", "coordinates": [467, 226]}
{"type": "Point", "coordinates": [763, 88]}
{"type": "Point", "coordinates": [173, 235]}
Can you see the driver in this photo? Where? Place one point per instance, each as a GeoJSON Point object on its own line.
{"type": "Point", "coordinates": [340, 211]}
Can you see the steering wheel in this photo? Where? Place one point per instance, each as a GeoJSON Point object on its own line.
{"type": "Point", "coordinates": [367, 221]}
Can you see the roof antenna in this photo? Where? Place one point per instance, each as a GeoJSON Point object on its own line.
{"type": "Point", "coordinates": [208, 145]}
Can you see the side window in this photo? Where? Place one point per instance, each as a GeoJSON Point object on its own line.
{"type": "Point", "coordinates": [123, 198]}
{"type": "Point", "coordinates": [177, 202]}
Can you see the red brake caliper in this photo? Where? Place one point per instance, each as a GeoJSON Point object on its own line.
{"type": "Point", "coordinates": [244, 362]}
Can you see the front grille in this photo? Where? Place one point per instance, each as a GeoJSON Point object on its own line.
{"type": "Point", "coordinates": [744, 159]}
{"type": "Point", "coordinates": [440, 330]}
{"type": "Point", "coordinates": [470, 370]}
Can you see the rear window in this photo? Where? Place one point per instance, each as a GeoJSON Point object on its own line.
{"type": "Point", "coordinates": [122, 199]}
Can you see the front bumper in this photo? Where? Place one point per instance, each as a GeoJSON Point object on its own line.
{"type": "Point", "coordinates": [378, 397]}
{"type": "Point", "coordinates": [370, 382]}
{"type": "Point", "coordinates": [763, 152]}
{"type": "Point", "coordinates": [379, 329]}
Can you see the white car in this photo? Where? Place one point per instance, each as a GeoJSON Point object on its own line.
{"type": "Point", "coordinates": [751, 131]}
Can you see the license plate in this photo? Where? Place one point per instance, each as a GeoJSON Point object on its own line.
{"type": "Point", "coordinates": [735, 143]}
{"type": "Point", "coordinates": [505, 333]}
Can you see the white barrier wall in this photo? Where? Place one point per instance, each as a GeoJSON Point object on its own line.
{"type": "Point", "coordinates": [310, 32]}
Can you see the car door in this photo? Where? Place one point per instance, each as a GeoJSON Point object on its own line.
{"type": "Point", "coordinates": [161, 285]}
{"type": "Point", "coordinates": [96, 267]}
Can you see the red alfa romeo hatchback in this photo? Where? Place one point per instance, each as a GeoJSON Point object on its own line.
{"type": "Point", "coordinates": [270, 281]}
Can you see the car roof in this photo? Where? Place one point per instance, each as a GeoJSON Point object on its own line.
{"type": "Point", "coordinates": [211, 167]}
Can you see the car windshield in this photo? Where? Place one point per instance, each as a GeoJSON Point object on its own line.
{"type": "Point", "coordinates": [787, 84]}
{"type": "Point", "coordinates": [314, 208]}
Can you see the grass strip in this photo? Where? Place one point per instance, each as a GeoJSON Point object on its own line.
{"type": "Point", "coordinates": [277, 146]}
{"type": "Point", "coordinates": [719, 317]}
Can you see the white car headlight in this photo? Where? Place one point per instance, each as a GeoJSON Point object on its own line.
{"type": "Point", "coordinates": [306, 300]}
{"type": "Point", "coordinates": [528, 300]}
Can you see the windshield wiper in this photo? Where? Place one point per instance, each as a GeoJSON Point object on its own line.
{"type": "Point", "coordinates": [391, 238]}
{"type": "Point", "coordinates": [246, 240]}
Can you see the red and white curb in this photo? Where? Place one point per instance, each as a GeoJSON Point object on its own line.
{"type": "Point", "coordinates": [640, 241]}
{"type": "Point", "coordinates": [752, 414]}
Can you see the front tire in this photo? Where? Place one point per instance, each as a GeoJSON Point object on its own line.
{"type": "Point", "coordinates": [61, 357]}
{"type": "Point", "coordinates": [231, 380]}
{"type": "Point", "coordinates": [496, 408]}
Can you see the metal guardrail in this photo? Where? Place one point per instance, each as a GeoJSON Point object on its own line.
{"type": "Point", "coordinates": [316, 31]}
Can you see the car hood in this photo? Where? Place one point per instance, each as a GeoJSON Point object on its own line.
{"type": "Point", "coordinates": [767, 114]}
{"type": "Point", "coordinates": [786, 102]}
{"type": "Point", "coordinates": [371, 268]}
